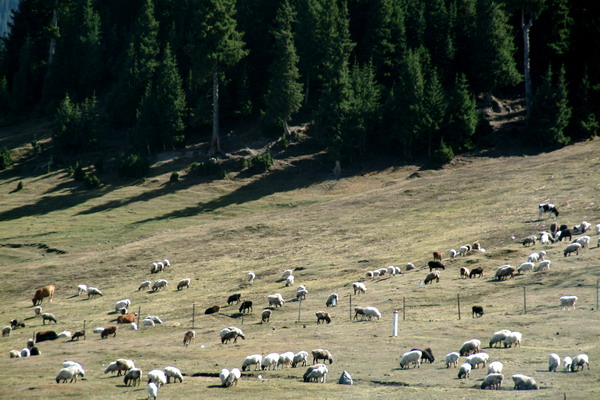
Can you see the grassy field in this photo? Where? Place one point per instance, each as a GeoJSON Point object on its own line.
{"type": "Point", "coordinates": [331, 231]}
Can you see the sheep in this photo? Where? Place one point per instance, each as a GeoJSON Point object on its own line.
{"type": "Point", "coordinates": [112, 367]}
{"type": "Point", "coordinates": [122, 304]}
{"type": "Point", "coordinates": [321, 354]}
{"type": "Point", "coordinates": [332, 300]}
{"type": "Point", "coordinates": [212, 310]}
{"type": "Point", "coordinates": [148, 322]}
{"type": "Point", "coordinates": [269, 361]}
{"type": "Point", "coordinates": [78, 334]}
{"type": "Point", "coordinates": [435, 275]}
{"type": "Point", "coordinates": [250, 276]}
{"type": "Point", "coordinates": [359, 287]}
{"type": "Point", "coordinates": [285, 359]}
{"type": "Point", "coordinates": [93, 292]}
{"type": "Point", "coordinates": [382, 271]}
{"type": "Point", "coordinates": [572, 248]}
{"type": "Point", "coordinates": [159, 284]}
{"type": "Point", "coordinates": [34, 351]}
{"type": "Point", "coordinates": [452, 359]}
{"type": "Point", "coordinates": [42, 293]}
{"type": "Point", "coordinates": [514, 338]}
{"type": "Point", "coordinates": [286, 273]}
{"type": "Point", "coordinates": [189, 337]}
{"type": "Point", "coordinates": [224, 375]}
{"type": "Point", "coordinates": [318, 373]}
{"type": "Point", "coordinates": [48, 317]}
{"type": "Point", "coordinates": [580, 361]}
{"type": "Point", "coordinates": [426, 354]}
{"type": "Point", "coordinates": [529, 241]}
{"type": "Point", "coordinates": [499, 336]}
{"type": "Point", "coordinates": [265, 316]}
{"type": "Point", "coordinates": [81, 289]}
{"type": "Point", "coordinates": [37, 310]}
{"type": "Point", "coordinates": [564, 233]}
{"type": "Point", "coordinates": [98, 330]}
{"type": "Point", "coordinates": [411, 357]}
{"type": "Point", "coordinates": [152, 391]}
{"type": "Point", "coordinates": [369, 274]}
{"type": "Point", "coordinates": [300, 357]}
{"type": "Point", "coordinates": [495, 367]}
{"type": "Point", "coordinates": [533, 257]}
{"type": "Point", "coordinates": [124, 365]}
{"type": "Point", "coordinates": [464, 272]}
{"type": "Point", "coordinates": [391, 270]}
{"type": "Point", "coordinates": [581, 228]}
{"type": "Point", "coordinates": [301, 293]}
{"type": "Point", "coordinates": [477, 311]}
{"type": "Point", "coordinates": [375, 273]}
{"type": "Point", "coordinates": [464, 250]}
{"type": "Point", "coordinates": [452, 253]}
{"type": "Point", "coordinates": [234, 298]}
{"type": "Point", "coordinates": [464, 371]}
{"type": "Point", "coordinates": [597, 229]}
{"type": "Point", "coordinates": [503, 272]}
{"type": "Point", "coordinates": [359, 311]}
{"type": "Point", "coordinates": [476, 271]}
{"type": "Point", "coordinates": [398, 270]}
{"type": "Point", "coordinates": [323, 317]}
{"type": "Point", "coordinates": [276, 300]}
{"type": "Point", "coordinates": [175, 373]}
{"type": "Point", "coordinates": [25, 352]}
{"type": "Point", "coordinates": [15, 354]}
{"type": "Point", "coordinates": [371, 312]}
{"type": "Point", "coordinates": [133, 376]}
{"type": "Point", "coordinates": [525, 267]}
{"type": "Point", "coordinates": [289, 281]}
{"type": "Point", "coordinates": [567, 362]}
{"type": "Point", "coordinates": [470, 347]}
{"type": "Point", "coordinates": [157, 376]}
{"type": "Point", "coordinates": [584, 241]}
{"type": "Point", "coordinates": [435, 265]}
{"type": "Point", "coordinates": [111, 330]}
{"type": "Point", "coordinates": [70, 373]}
{"type": "Point", "coordinates": [523, 382]}
{"type": "Point", "coordinates": [477, 358]}
{"type": "Point", "coordinates": [246, 306]}
{"type": "Point", "coordinates": [233, 377]}
{"type": "Point", "coordinates": [493, 381]}
{"type": "Point", "coordinates": [145, 285]}
{"type": "Point", "coordinates": [544, 265]}
{"type": "Point", "coordinates": [254, 359]}
{"type": "Point", "coordinates": [65, 334]}
{"type": "Point", "coordinates": [410, 266]}
{"type": "Point", "coordinates": [184, 283]}
{"type": "Point", "coordinates": [6, 330]}
{"type": "Point", "coordinates": [545, 238]}
{"type": "Point", "coordinates": [231, 333]}
{"type": "Point", "coordinates": [155, 318]}
{"type": "Point", "coordinates": [553, 362]}
{"type": "Point", "coordinates": [568, 302]}
{"type": "Point", "coordinates": [547, 208]}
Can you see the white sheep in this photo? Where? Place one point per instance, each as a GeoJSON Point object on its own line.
{"type": "Point", "coordinates": [301, 292]}
{"type": "Point", "coordinates": [534, 257]}
{"type": "Point", "coordinates": [391, 270]}
{"type": "Point", "coordinates": [81, 289]}
{"type": "Point", "coordinates": [93, 291]}
{"type": "Point", "coordinates": [493, 381]}
{"type": "Point", "coordinates": [233, 378]}
{"type": "Point", "coordinates": [159, 284]}
{"type": "Point", "coordinates": [318, 374]}
{"type": "Point", "coordinates": [382, 271]}
{"type": "Point", "coordinates": [157, 376]}
{"type": "Point", "coordinates": [175, 373]}
{"type": "Point", "coordinates": [371, 312]}
{"type": "Point", "coordinates": [375, 273]}
{"type": "Point", "coordinates": [65, 334]}
{"type": "Point", "coordinates": [133, 326]}
{"type": "Point", "coordinates": [122, 304]}
{"type": "Point", "coordinates": [183, 283]}
{"type": "Point", "coordinates": [250, 276]}
{"type": "Point", "coordinates": [145, 285]}
{"type": "Point", "coordinates": [514, 338]}
{"type": "Point", "coordinates": [70, 373]}
{"type": "Point", "coordinates": [289, 281]}
{"type": "Point", "coordinates": [581, 228]}
{"type": "Point", "coordinates": [369, 274]}
{"type": "Point", "coordinates": [470, 347]}
{"type": "Point", "coordinates": [572, 248]}
{"type": "Point", "coordinates": [495, 367]}
{"type": "Point", "coordinates": [223, 375]}
{"type": "Point", "coordinates": [463, 250]}
{"type": "Point", "coordinates": [285, 359]}
{"type": "Point", "coordinates": [544, 265]}
{"type": "Point", "coordinates": [15, 354]}
{"type": "Point", "coordinates": [152, 390]}
{"type": "Point", "coordinates": [124, 365]}
{"type": "Point", "coordinates": [523, 382]}
{"type": "Point", "coordinates": [275, 300]}
{"type": "Point", "coordinates": [553, 362]}
{"type": "Point", "coordinates": [359, 287]}
{"type": "Point", "coordinates": [25, 352]}
{"type": "Point", "coordinates": [452, 359]}
{"type": "Point", "coordinates": [464, 371]}
{"type": "Point", "coordinates": [167, 263]}
{"type": "Point", "coordinates": [68, 364]}
{"type": "Point", "coordinates": [579, 361]}
{"type": "Point", "coordinates": [525, 267]}
{"type": "Point", "coordinates": [230, 333]}
{"type": "Point", "coordinates": [254, 359]}
{"type": "Point", "coordinates": [133, 376]}
{"type": "Point", "coordinates": [300, 357]}
{"type": "Point", "coordinates": [567, 362]}
{"type": "Point", "coordinates": [567, 302]}
{"type": "Point", "coordinates": [112, 368]}
{"type": "Point", "coordinates": [37, 310]}
{"type": "Point", "coordinates": [584, 241]}
{"type": "Point", "coordinates": [411, 357]}
{"type": "Point", "coordinates": [478, 358]}
{"type": "Point", "coordinates": [499, 336]}
{"type": "Point", "coordinates": [270, 360]}
{"type": "Point", "coordinates": [154, 318]}
{"type": "Point", "coordinates": [98, 330]}
{"type": "Point", "coordinates": [398, 270]}
{"type": "Point", "coordinates": [286, 273]}
{"type": "Point", "coordinates": [148, 322]}
{"type": "Point", "coordinates": [597, 229]}
{"type": "Point", "coordinates": [545, 238]}
{"type": "Point", "coordinates": [332, 300]}
{"type": "Point", "coordinates": [452, 253]}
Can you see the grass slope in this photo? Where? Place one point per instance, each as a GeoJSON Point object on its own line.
{"type": "Point", "coordinates": [332, 232]}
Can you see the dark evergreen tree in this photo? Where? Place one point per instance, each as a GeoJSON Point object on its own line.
{"type": "Point", "coordinates": [438, 37]}
{"type": "Point", "coordinates": [461, 116]}
{"type": "Point", "coordinates": [75, 128]}
{"type": "Point", "coordinates": [435, 105]}
{"type": "Point", "coordinates": [587, 115]}
{"type": "Point", "coordinates": [24, 85]}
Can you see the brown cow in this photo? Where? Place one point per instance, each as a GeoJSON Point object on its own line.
{"type": "Point", "coordinates": [111, 330]}
{"type": "Point", "coordinates": [46, 291]}
{"type": "Point", "coordinates": [126, 318]}
{"type": "Point", "coordinates": [78, 334]}
{"type": "Point", "coordinates": [437, 256]}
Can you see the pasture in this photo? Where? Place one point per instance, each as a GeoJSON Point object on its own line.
{"type": "Point", "coordinates": [331, 231]}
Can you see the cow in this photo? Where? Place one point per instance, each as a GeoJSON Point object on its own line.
{"type": "Point", "coordinates": [126, 318]}
{"type": "Point", "coordinates": [111, 330]}
{"type": "Point", "coordinates": [40, 294]}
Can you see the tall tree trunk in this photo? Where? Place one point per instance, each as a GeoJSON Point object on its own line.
{"type": "Point", "coordinates": [307, 87]}
{"type": "Point", "coordinates": [215, 143]}
{"type": "Point", "coordinates": [52, 49]}
{"type": "Point", "coordinates": [526, 67]}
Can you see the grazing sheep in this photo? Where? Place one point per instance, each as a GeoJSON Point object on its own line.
{"type": "Point", "coordinates": [477, 311]}
{"type": "Point", "coordinates": [464, 371]}
{"type": "Point", "coordinates": [265, 316]}
{"type": "Point", "coordinates": [233, 378]}
{"type": "Point", "coordinates": [553, 362]}
{"type": "Point", "coordinates": [224, 375]}
{"type": "Point", "coordinates": [81, 289]}
{"type": "Point", "coordinates": [159, 284]}
{"type": "Point", "coordinates": [426, 355]}
{"type": "Point", "coordinates": [371, 312]}
{"type": "Point", "coordinates": [359, 287]}
{"type": "Point", "coordinates": [470, 347]}
{"type": "Point", "coordinates": [289, 281]}
{"type": "Point", "coordinates": [545, 238]}
{"type": "Point", "coordinates": [572, 248]}
{"type": "Point", "coordinates": [477, 246]}
{"type": "Point", "coordinates": [493, 381]}
{"type": "Point", "coordinates": [246, 307]}
{"type": "Point", "coordinates": [359, 311]}
{"type": "Point", "coordinates": [133, 377]}
{"type": "Point", "coordinates": [254, 359]}
{"type": "Point", "coordinates": [391, 270]}
{"type": "Point", "coordinates": [93, 292]}
{"type": "Point", "coordinates": [78, 334]}
{"type": "Point", "coordinates": [122, 304]}
{"type": "Point", "coordinates": [25, 352]}
{"type": "Point", "coordinates": [568, 302]}
{"type": "Point", "coordinates": [495, 367]}
{"type": "Point", "coordinates": [230, 333]}
{"type": "Point", "coordinates": [154, 318]}
{"type": "Point", "coordinates": [286, 273]}
{"type": "Point", "coordinates": [398, 270]}
{"type": "Point", "coordinates": [42, 293]}
{"type": "Point", "coordinates": [410, 266]}
{"type": "Point", "coordinates": [212, 310]}
{"type": "Point", "coordinates": [269, 361]}
{"type": "Point", "coordinates": [152, 391]}
{"type": "Point", "coordinates": [437, 256]}
{"type": "Point", "coordinates": [452, 359]}
{"type": "Point", "coordinates": [411, 357]}
{"type": "Point", "coordinates": [498, 337]}
{"type": "Point", "coordinates": [70, 373]}
{"type": "Point", "coordinates": [320, 354]}
{"type": "Point", "coordinates": [435, 275]}
{"type": "Point", "coordinates": [375, 273]}
{"type": "Point", "coordinates": [464, 272]}
{"type": "Point", "coordinates": [250, 276]}
{"type": "Point", "coordinates": [145, 285]}
{"type": "Point", "coordinates": [544, 265]}
{"type": "Point", "coordinates": [581, 228]}
{"type": "Point", "coordinates": [6, 330]}
{"type": "Point", "coordinates": [478, 358]}
{"type": "Point", "coordinates": [48, 317]}
{"type": "Point", "coordinates": [564, 233]}
{"type": "Point", "coordinates": [464, 250]}
{"type": "Point", "coordinates": [37, 310]}
{"type": "Point", "coordinates": [157, 376]}
{"type": "Point", "coordinates": [148, 322]}
{"type": "Point", "coordinates": [525, 267]}
{"type": "Point", "coordinates": [175, 373]}
{"type": "Point", "coordinates": [584, 241]}
{"type": "Point", "coordinates": [285, 359]}
{"type": "Point", "coordinates": [112, 368]}
{"type": "Point", "coordinates": [529, 241]}
{"type": "Point", "coordinates": [580, 361]}
{"type": "Point", "coordinates": [15, 354]}
{"type": "Point", "coordinates": [318, 373]}
{"type": "Point", "coordinates": [234, 298]}
{"type": "Point", "coordinates": [452, 253]}
{"type": "Point", "coordinates": [505, 271]}
{"type": "Point", "coordinates": [513, 338]}
{"type": "Point", "coordinates": [184, 283]}
{"type": "Point", "coordinates": [111, 330]}
{"type": "Point", "coordinates": [567, 362]}
{"type": "Point", "coordinates": [300, 357]}
{"type": "Point", "coordinates": [276, 300]}
{"type": "Point", "coordinates": [523, 382]}
{"type": "Point", "coordinates": [323, 317]}
{"type": "Point", "coordinates": [382, 271]}
{"type": "Point", "coordinates": [547, 208]}
{"type": "Point", "coordinates": [369, 274]}
{"type": "Point", "coordinates": [124, 365]}
{"type": "Point", "coordinates": [301, 293]}
{"type": "Point", "coordinates": [476, 272]}
{"type": "Point", "coordinates": [435, 265]}
{"type": "Point", "coordinates": [332, 300]}
{"type": "Point", "coordinates": [98, 330]}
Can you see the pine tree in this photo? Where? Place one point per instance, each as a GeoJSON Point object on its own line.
{"type": "Point", "coordinates": [438, 37]}
{"type": "Point", "coordinates": [24, 81]}
{"type": "Point", "coordinates": [586, 115]}
{"type": "Point", "coordinates": [284, 97]}
{"type": "Point", "coordinates": [461, 116]}
{"type": "Point", "coordinates": [435, 105]}
{"type": "Point", "coordinates": [75, 128]}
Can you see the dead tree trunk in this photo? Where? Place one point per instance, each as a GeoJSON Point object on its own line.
{"type": "Point", "coordinates": [526, 67]}
{"type": "Point", "coordinates": [215, 143]}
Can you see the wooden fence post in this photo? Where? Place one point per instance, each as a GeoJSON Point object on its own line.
{"type": "Point", "coordinates": [404, 309]}
{"type": "Point", "coordinates": [299, 307]}
{"type": "Point", "coordinates": [350, 310]}
{"type": "Point", "coordinates": [139, 316]}
{"type": "Point", "coordinates": [524, 299]}
{"type": "Point", "coordinates": [458, 299]}
{"type": "Point", "coordinates": [193, 315]}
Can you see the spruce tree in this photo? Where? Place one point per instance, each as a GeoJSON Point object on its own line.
{"type": "Point", "coordinates": [435, 105]}
{"type": "Point", "coordinates": [284, 97]}
{"type": "Point", "coordinates": [461, 116]}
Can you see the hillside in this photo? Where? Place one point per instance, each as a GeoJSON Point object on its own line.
{"type": "Point", "coordinates": [331, 231]}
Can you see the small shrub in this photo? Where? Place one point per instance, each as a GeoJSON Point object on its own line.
{"type": "Point", "coordinates": [132, 166]}
{"type": "Point", "coordinates": [260, 163]}
{"type": "Point", "coordinates": [5, 158]}
{"type": "Point", "coordinates": [78, 173]}
{"type": "Point", "coordinates": [209, 168]}
{"type": "Point", "coordinates": [174, 177]}
{"type": "Point", "coordinates": [444, 154]}
{"type": "Point", "coordinates": [91, 181]}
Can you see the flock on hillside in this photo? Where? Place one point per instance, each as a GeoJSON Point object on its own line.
{"type": "Point", "coordinates": [317, 372]}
